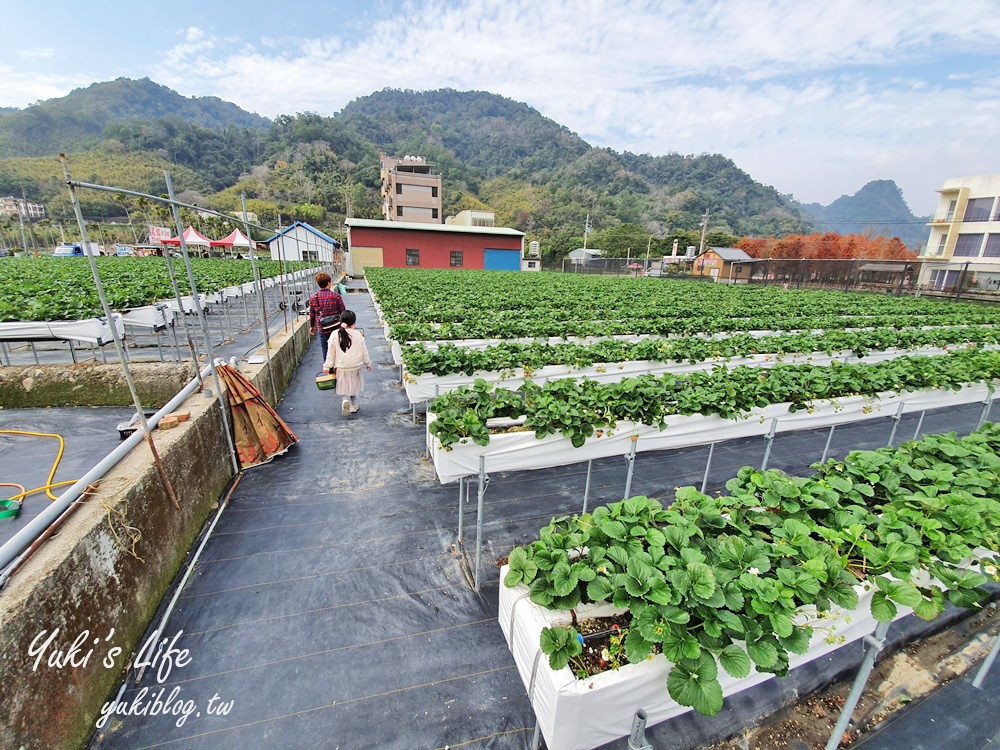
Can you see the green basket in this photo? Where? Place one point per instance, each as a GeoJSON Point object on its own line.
{"type": "Point", "coordinates": [326, 382]}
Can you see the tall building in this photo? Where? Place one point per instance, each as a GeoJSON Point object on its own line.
{"type": "Point", "coordinates": [11, 206]}
{"type": "Point", "coordinates": [410, 191]}
{"type": "Point", "coordinates": [963, 247]}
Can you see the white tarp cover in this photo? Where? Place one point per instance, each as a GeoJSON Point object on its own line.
{"type": "Point", "coordinates": [583, 714]}
{"type": "Point", "coordinates": [427, 385]}
{"type": "Point", "coordinates": [152, 317]}
{"type": "Point", "coordinates": [90, 331]}
{"type": "Point", "coordinates": [188, 301]}
{"type": "Point", "coordinates": [518, 451]}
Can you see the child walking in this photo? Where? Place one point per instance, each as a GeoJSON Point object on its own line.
{"type": "Point", "coordinates": [344, 358]}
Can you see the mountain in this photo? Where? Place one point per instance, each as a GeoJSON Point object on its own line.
{"type": "Point", "coordinates": [492, 152]}
{"type": "Point", "coordinates": [78, 119]}
{"type": "Point", "coordinates": [878, 208]}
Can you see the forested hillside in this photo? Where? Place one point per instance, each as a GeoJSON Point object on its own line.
{"type": "Point", "coordinates": [492, 152]}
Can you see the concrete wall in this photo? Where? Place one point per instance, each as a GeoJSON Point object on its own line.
{"type": "Point", "coordinates": [90, 578]}
{"type": "Point", "coordinates": [90, 384]}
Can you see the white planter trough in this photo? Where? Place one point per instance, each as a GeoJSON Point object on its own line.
{"type": "Point", "coordinates": [427, 385]}
{"type": "Point", "coordinates": [519, 451]}
{"type": "Point", "coordinates": [578, 714]}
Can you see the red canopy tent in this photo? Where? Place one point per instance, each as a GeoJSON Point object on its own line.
{"type": "Point", "coordinates": [191, 237]}
{"type": "Point", "coordinates": [236, 238]}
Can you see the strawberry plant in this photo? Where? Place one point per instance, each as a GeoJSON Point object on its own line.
{"type": "Point", "coordinates": [723, 582]}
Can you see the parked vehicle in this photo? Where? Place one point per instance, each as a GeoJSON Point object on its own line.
{"type": "Point", "coordinates": [76, 249]}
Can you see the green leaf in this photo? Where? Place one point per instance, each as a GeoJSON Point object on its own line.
{"type": "Point", "coordinates": [522, 568]}
{"type": "Point", "coordinates": [798, 641]}
{"type": "Point", "coordinates": [599, 589]}
{"type": "Point", "coordinates": [564, 579]}
{"type": "Point", "coordinates": [702, 580]}
{"type": "Point", "coordinates": [637, 648]}
{"type": "Point", "coordinates": [735, 661]}
{"type": "Point", "coordinates": [763, 652]}
{"type": "Point", "coordinates": [781, 623]}
{"type": "Point", "coordinates": [695, 683]}
{"type": "Point", "coordinates": [679, 644]}
{"type": "Point", "coordinates": [900, 592]}
{"type": "Point", "coordinates": [883, 609]}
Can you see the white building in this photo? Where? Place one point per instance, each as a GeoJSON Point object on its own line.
{"type": "Point", "coordinates": [963, 247]}
{"type": "Point", "coordinates": [300, 241]}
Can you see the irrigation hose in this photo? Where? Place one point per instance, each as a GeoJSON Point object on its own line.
{"type": "Point", "coordinates": [10, 507]}
{"type": "Point", "coordinates": [55, 464]}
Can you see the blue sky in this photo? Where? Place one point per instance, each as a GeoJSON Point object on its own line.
{"type": "Point", "coordinates": [816, 99]}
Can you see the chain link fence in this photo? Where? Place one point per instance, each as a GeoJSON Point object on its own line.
{"type": "Point", "coordinates": [971, 280]}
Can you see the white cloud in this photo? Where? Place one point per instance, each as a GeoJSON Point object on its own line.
{"type": "Point", "coordinates": [19, 87]}
{"type": "Point", "coordinates": [36, 53]}
{"type": "Point", "coordinates": [814, 99]}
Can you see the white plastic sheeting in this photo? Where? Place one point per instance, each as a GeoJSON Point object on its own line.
{"type": "Point", "coordinates": [188, 301]}
{"type": "Point", "coordinates": [582, 714]}
{"type": "Point", "coordinates": [90, 331]}
{"type": "Point", "coordinates": [426, 386]}
{"type": "Point", "coordinates": [518, 451]}
{"type": "Point", "coordinates": [150, 317]}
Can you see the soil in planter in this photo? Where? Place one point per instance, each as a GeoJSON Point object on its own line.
{"type": "Point", "coordinates": [606, 651]}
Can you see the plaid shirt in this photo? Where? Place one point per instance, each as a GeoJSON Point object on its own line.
{"type": "Point", "coordinates": [323, 303]}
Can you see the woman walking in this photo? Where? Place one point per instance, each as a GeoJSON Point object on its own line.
{"type": "Point", "coordinates": [322, 304]}
{"type": "Point", "coordinates": [344, 358]}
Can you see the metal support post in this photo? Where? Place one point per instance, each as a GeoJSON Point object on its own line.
{"type": "Point", "coordinates": [985, 668]}
{"type": "Point", "coordinates": [637, 737]}
{"type": "Point", "coordinates": [536, 738]}
{"type": "Point", "coordinates": [72, 350]}
{"type": "Point", "coordinates": [875, 645]}
{"type": "Point", "coordinates": [586, 487]}
{"type": "Point", "coordinates": [630, 461]}
{"type": "Point", "coordinates": [987, 405]}
{"type": "Point", "coordinates": [708, 464]}
{"type": "Point", "coordinates": [484, 481]}
{"type": "Point", "coordinates": [34, 351]}
{"type": "Point", "coordinates": [895, 424]}
{"type": "Point", "coordinates": [6, 353]}
{"type": "Point", "coordinates": [461, 508]}
{"type": "Point", "coordinates": [770, 441]}
{"type": "Point", "coordinates": [920, 423]}
{"type": "Point", "coordinates": [826, 448]}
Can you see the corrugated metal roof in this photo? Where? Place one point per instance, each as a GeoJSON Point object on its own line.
{"type": "Point", "coordinates": [418, 226]}
{"type": "Point", "coordinates": [730, 253]}
{"type": "Point", "coordinates": [308, 228]}
{"type": "Point", "coordinates": [894, 267]}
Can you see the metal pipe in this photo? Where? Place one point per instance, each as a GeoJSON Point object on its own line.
{"type": "Point", "coordinates": [987, 405]}
{"type": "Point", "coordinates": [920, 423]}
{"type": "Point", "coordinates": [461, 507]}
{"type": "Point", "coordinates": [263, 305]}
{"type": "Point", "coordinates": [630, 461]}
{"type": "Point", "coordinates": [586, 487]}
{"type": "Point", "coordinates": [770, 441]}
{"type": "Point", "coordinates": [826, 448]}
{"type": "Point", "coordinates": [875, 644]}
{"type": "Point", "coordinates": [484, 481]}
{"type": "Point", "coordinates": [637, 737]}
{"type": "Point", "coordinates": [708, 464]}
{"type": "Point", "coordinates": [23, 538]}
{"type": "Point", "coordinates": [220, 391]}
{"type": "Point", "coordinates": [990, 657]}
{"type": "Point", "coordinates": [895, 424]}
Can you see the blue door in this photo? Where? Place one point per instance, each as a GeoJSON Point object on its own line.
{"type": "Point", "coordinates": [502, 260]}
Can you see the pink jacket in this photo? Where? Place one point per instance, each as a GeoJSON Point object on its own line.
{"type": "Point", "coordinates": [355, 356]}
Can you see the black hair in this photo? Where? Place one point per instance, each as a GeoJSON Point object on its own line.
{"type": "Point", "coordinates": [347, 318]}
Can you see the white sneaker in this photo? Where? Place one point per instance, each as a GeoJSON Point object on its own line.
{"type": "Point", "coordinates": [354, 408]}
{"type": "Point", "coordinates": [345, 407]}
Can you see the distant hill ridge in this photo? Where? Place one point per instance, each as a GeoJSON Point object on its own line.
{"type": "Point", "coordinates": [78, 119]}
{"type": "Point", "coordinates": [878, 208]}
{"type": "Point", "coordinates": [492, 152]}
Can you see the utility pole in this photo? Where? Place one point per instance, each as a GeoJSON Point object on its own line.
{"type": "Point", "coordinates": [586, 230]}
{"type": "Point", "coordinates": [704, 230]}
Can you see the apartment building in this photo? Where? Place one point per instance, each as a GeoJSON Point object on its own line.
{"type": "Point", "coordinates": [410, 191]}
{"type": "Point", "coordinates": [963, 248]}
{"type": "Point", "coordinates": [11, 206]}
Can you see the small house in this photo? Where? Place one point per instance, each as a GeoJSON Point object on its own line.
{"type": "Point", "coordinates": [726, 264]}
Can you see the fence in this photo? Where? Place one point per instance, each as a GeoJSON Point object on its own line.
{"type": "Point", "coordinates": [970, 280]}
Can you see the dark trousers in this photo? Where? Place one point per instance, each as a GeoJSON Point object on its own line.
{"type": "Point", "coordinates": [324, 340]}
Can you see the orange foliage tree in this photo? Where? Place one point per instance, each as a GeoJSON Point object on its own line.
{"type": "Point", "coordinates": [826, 245]}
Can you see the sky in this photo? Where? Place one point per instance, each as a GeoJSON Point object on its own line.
{"type": "Point", "coordinates": [814, 98]}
